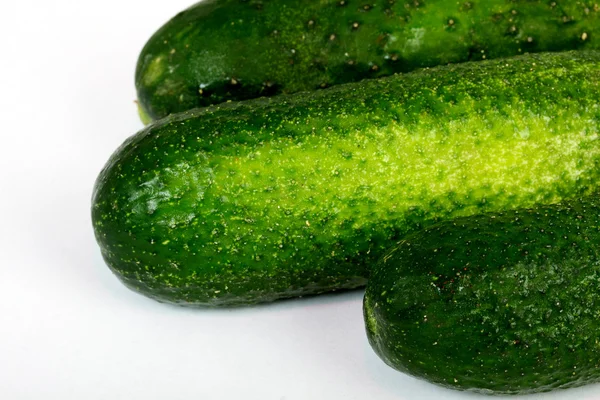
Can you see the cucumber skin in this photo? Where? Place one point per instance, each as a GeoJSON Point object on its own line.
{"type": "Point", "coordinates": [221, 50]}
{"type": "Point", "coordinates": [297, 195]}
{"type": "Point", "coordinates": [505, 303]}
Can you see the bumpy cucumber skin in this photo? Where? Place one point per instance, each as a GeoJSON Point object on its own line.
{"type": "Point", "coordinates": [297, 195]}
{"type": "Point", "coordinates": [505, 303]}
{"type": "Point", "coordinates": [221, 50]}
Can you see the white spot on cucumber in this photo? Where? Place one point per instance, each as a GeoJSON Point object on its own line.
{"type": "Point", "coordinates": [414, 43]}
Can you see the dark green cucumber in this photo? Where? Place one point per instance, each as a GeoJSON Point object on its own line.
{"type": "Point", "coordinates": [505, 303]}
{"type": "Point", "coordinates": [297, 195]}
{"type": "Point", "coordinates": [222, 50]}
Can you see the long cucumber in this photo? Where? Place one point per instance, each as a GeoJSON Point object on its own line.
{"type": "Point", "coordinates": [221, 50]}
{"type": "Point", "coordinates": [298, 195]}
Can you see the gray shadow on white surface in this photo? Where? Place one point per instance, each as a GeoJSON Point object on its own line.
{"type": "Point", "coordinates": [333, 337]}
{"type": "Point", "coordinates": [323, 334]}
{"type": "Point", "coordinates": [111, 283]}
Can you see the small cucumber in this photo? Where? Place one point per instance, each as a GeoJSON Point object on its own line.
{"type": "Point", "coordinates": [221, 50]}
{"type": "Point", "coordinates": [504, 303]}
{"type": "Point", "coordinates": [297, 195]}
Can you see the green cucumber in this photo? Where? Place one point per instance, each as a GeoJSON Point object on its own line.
{"type": "Point", "coordinates": [504, 303]}
{"type": "Point", "coordinates": [221, 50]}
{"type": "Point", "coordinates": [297, 195]}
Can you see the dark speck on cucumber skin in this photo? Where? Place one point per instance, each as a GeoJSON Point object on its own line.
{"type": "Point", "coordinates": [209, 207]}
{"type": "Point", "coordinates": [206, 45]}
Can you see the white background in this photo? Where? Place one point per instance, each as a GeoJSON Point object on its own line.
{"type": "Point", "coordinates": [68, 328]}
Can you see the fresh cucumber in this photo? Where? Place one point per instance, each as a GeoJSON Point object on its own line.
{"type": "Point", "coordinates": [501, 303]}
{"type": "Point", "coordinates": [222, 50]}
{"type": "Point", "coordinates": [297, 195]}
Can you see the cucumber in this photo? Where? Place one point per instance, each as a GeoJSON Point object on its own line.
{"type": "Point", "coordinates": [503, 303]}
{"type": "Point", "coordinates": [296, 195]}
{"type": "Point", "coordinates": [221, 50]}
